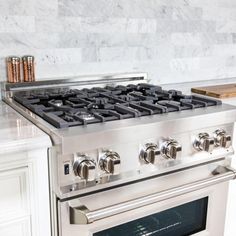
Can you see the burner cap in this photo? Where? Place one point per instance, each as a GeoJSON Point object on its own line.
{"type": "Point", "coordinates": [57, 103]}
{"type": "Point", "coordinates": [84, 115]}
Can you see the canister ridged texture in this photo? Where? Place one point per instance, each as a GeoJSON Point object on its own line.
{"type": "Point", "coordinates": [13, 69]}
{"type": "Point", "coordinates": [28, 68]}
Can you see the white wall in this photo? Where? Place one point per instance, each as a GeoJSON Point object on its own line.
{"type": "Point", "coordinates": [173, 40]}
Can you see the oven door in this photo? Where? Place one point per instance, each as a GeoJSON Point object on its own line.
{"type": "Point", "coordinates": [189, 202]}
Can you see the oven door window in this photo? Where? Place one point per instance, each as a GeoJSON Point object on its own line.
{"type": "Point", "coordinates": [182, 220]}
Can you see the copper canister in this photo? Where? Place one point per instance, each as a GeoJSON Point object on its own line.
{"type": "Point", "coordinates": [28, 68]}
{"type": "Point", "coordinates": [13, 69]}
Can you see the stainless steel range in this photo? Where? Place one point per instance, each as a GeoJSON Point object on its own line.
{"type": "Point", "coordinates": [130, 158]}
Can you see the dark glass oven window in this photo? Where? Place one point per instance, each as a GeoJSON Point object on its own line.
{"type": "Point", "coordinates": [182, 220]}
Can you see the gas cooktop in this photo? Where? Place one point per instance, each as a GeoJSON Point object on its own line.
{"type": "Point", "coordinates": [64, 107]}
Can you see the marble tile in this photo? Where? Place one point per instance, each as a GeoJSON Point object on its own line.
{"type": "Point", "coordinates": [16, 7]}
{"type": "Point", "coordinates": [191, 51]}
{"type": "Point", "coordinates": [223, 13]}
{"type": "Point", "coordinates": [87, 8]}
{"type": "Point", "coordinates": [114, 8]}
{"type": "Point", "coordinates": [113, 25]}
{"type": "Point", "coordinates": [28, 41]}
{"type": "Point", "coordinates": [189, 26]}
{"type": "Point", "coordinates": [144, 9]}
{"type": "Point", "coordinates": [46, 8]}
{"type": "Point", "coordinates": [226, 26]}
{"type": "Point", "coordinates": [135, 53]}
{"type": "Point", "coordinates": [186, 38]}
{"type": "Point", "coordinates": [111, 40]}
{"type": "Point", "coordinates": [50, 24]}
{"type": "Point", "coordinates": [233, 37]}
{"type": "Point", "coordinates": [59, 56]}
{"type": "Point", "coordinates": [17, 24]}
{"type": "Point", "coordinates": [213, 62]}
{"type": "Point", "coordinates": [90, 54]}
{"type": "Point", "coordinates": [187, 13]}
{"type": "Point", "coordinates": [209, 38]}
{"type": "Point", "coordinates": [118, 53]}
{"type": "Point", "coordinates": [184, 64]}
{"type": "Point", "coordinates": [58, 71]}
{"type": "Point", "coordinates": [224, 50]}
{"type": "Point", "coordinates": [231, 61]}
{"type": "Point", "coordinates": [201, 3]}
{"type": "Point", "coordinates": [226, 3]}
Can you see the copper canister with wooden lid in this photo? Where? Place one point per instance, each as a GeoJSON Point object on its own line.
{"type": "Point", "coordinates": [13, 69]}
{"type": "Point", "coordinates": [28, 68]}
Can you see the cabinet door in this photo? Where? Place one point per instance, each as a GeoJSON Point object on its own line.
{"type": "Point", "coordinates": [16, 228]}
{"type": "Point", "coordinates": [14, 194]}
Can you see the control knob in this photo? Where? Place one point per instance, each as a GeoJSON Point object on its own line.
{"type": "Point", "coordinates": [86, 169]}
{"type": "Point", "coordinates": [203, 142]}
{"type": "Point", "coordinates": [171, 149]}
{"type": "Point", "coordinates": [110, 162]}
{"type": "Point", "coordinates": [149, 153]}
{"type": "Point", "coordinates": [222, 139]}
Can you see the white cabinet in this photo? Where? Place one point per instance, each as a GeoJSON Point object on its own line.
{"type": "Point", "coordinates": [14, 194]}
{"type": "Point", "coordinates": [16, 228]}
{"type": "Point", "coordinates": [15, 202]}
{"type": "Point", "coordinates": [24, 194]}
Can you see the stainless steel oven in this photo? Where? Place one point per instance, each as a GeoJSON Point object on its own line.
{"type": "Point", "coordinates": [130, 158]}
{"type": "Point", "coordinates": [187, 202]}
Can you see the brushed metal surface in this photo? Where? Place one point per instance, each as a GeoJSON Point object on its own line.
{"type": "Point", "coordinates": [127, 137]}
{"type": "Point", "coordinates": [82, 215]}
{"type": "Point", "coordinates": [67, 82]}
{"type": "Point", "coordinates": [217, 194]}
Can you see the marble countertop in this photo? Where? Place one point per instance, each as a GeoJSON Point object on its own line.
{"type": "Point", "coordinates": [186, 87]}
{"type": "Point", "coordinates": [19, 134]}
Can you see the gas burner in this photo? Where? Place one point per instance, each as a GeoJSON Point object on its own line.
{"type": "Point", "coordinates": [84, 115]}
{"type": "Point", "coordinates": [98, 102]}
{"type": "Point", "coordinates": [57, 103]}
{"type": "Point", "coordinates": [72, 107]}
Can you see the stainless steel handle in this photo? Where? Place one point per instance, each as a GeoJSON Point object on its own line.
{"type": "Point", "coordinates": [82, 215]}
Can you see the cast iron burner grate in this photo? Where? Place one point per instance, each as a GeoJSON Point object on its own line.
{"type": "Point", "coordinates": [66, 107]}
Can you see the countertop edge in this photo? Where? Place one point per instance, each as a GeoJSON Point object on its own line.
{"type": "Point", "coordinates": [25, 145]}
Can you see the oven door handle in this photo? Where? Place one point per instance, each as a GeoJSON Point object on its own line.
{"type": "Point", "coordinates": [82, 215]}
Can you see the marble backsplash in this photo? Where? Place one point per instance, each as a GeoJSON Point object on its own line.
{"type": "Point", "coordinates": [172, 40]}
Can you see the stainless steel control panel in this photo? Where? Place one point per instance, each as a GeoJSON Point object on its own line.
{"type": "Point", "coordinates": [129, 161]}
